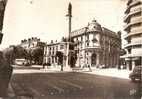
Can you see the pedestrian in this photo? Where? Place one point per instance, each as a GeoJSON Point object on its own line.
{"type": "Point", "coordinates": [61, 67]}
{"type": "Point", "coordinates": [89, 66]}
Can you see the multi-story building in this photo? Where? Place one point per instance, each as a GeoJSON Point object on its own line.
{"type": "Point", "coordinates": [35, 49]}
{"type": "Point", "coordinates": [51, 49]}
{"type": "Point", "coordinates": [31, 43]}
{"type": "Point", "coordinates": [133, 27]}
{"type": "Point", "coordinates": [93, 45]}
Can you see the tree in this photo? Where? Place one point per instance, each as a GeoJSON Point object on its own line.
{"type": "Point", "coordinates": [9, 55]}
{"type": "Point", "coordinates": [37, 55]}
{"type": "Point", "coordinates": [20, 52]}
{"type": "Point", "coordinates": [15, 52]}
{"type": "Point", "coordinates": [29, 55]}
{"type": "Point", "coordinates": [73, 58]}
{"type": "Point", "coordinates": [60, 57]}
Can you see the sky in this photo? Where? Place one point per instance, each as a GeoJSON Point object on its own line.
{"type": "Point", "coordinates": [46, 19]}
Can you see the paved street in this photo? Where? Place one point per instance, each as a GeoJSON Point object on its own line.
{"type": "Point", "coordinates": [73, 85]}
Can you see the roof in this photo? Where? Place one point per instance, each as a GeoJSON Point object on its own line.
{"type": "Point", "coordinates": [94, 26]}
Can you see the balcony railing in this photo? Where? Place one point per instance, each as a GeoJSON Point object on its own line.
{"type": "Point", "coordinates": [132, 44]}
{"type": "Point", "coordinates": [136, 21]}
{"type": "Point", "coordinates": [137, 10]}
{"type": "Point", "coordinates": [132, 4]}
{"type": "Point", "coordinates": [136, 41]}
{"type": "Point", "coordinates": [139, 31]}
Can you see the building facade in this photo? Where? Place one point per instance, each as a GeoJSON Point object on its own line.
{"type": "Point", "coordinates": [133, 27]}
{"type": "Point", "coordinates": [35, 50]}
{"type": "Point", "coordinates": [31, 43]}
{"type": "Point", "coordinates": [93, 45]}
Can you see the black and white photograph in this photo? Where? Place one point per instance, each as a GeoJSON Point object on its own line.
{"type": "Point", "coordinates": [70, 49]}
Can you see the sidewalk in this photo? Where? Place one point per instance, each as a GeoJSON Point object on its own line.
{"type": "Point", "coordinates": [39, 69]}
{"type": "Point", "coordinates": [112, 72]}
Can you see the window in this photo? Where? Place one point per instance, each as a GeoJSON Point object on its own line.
{"type": "Point", "coordinates": [87, 60]}
{"type": "Point", "coordinates": [56, 48]}
{"type": "Point", "coordinates": [129, 51]}
{"type": "Point", "coordinates": [52, 59]}
{"type": "Point", "coordinates": [81, 45]}
{"type": "Point", "coordinates": [88, 36]}
{"type": "Point", "coordinates": [87, 43]}
{"type": "Point", "coordinates": [137, 46]}
{"type": "Point", "coordinates": [49, 52]}
{"type": "Point", "coordinates": [61, 46]}
{"type": "Point", "coordinates": [53, 51]}
{"type": "Point", "coordinates": [81, 38]}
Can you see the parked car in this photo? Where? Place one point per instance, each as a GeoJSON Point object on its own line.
{"type": "Point", "coordinates": [22, 62]}
{"type": "Point", "coordinates": [136, 74]}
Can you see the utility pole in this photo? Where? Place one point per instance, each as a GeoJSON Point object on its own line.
{"type": "Point", "coordinates": [69, 15]}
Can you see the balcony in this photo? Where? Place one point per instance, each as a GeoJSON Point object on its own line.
{"type": "Point", "coordinates": [132, 13]}
{"type": "Point", "coordinates": [133, 22]}
{"type": "Point", "coordinates": [133, 33]}
{"type": "Point", "coordinates": [131, 5]}
{"type": "Point", "coordinates": [133, 43]}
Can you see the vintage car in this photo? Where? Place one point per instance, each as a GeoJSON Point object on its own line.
{"type": "Point", "coordinates": [136, 74]}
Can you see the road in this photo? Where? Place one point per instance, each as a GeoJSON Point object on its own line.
{"type": "Point", "coordinates": [73, 85]}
